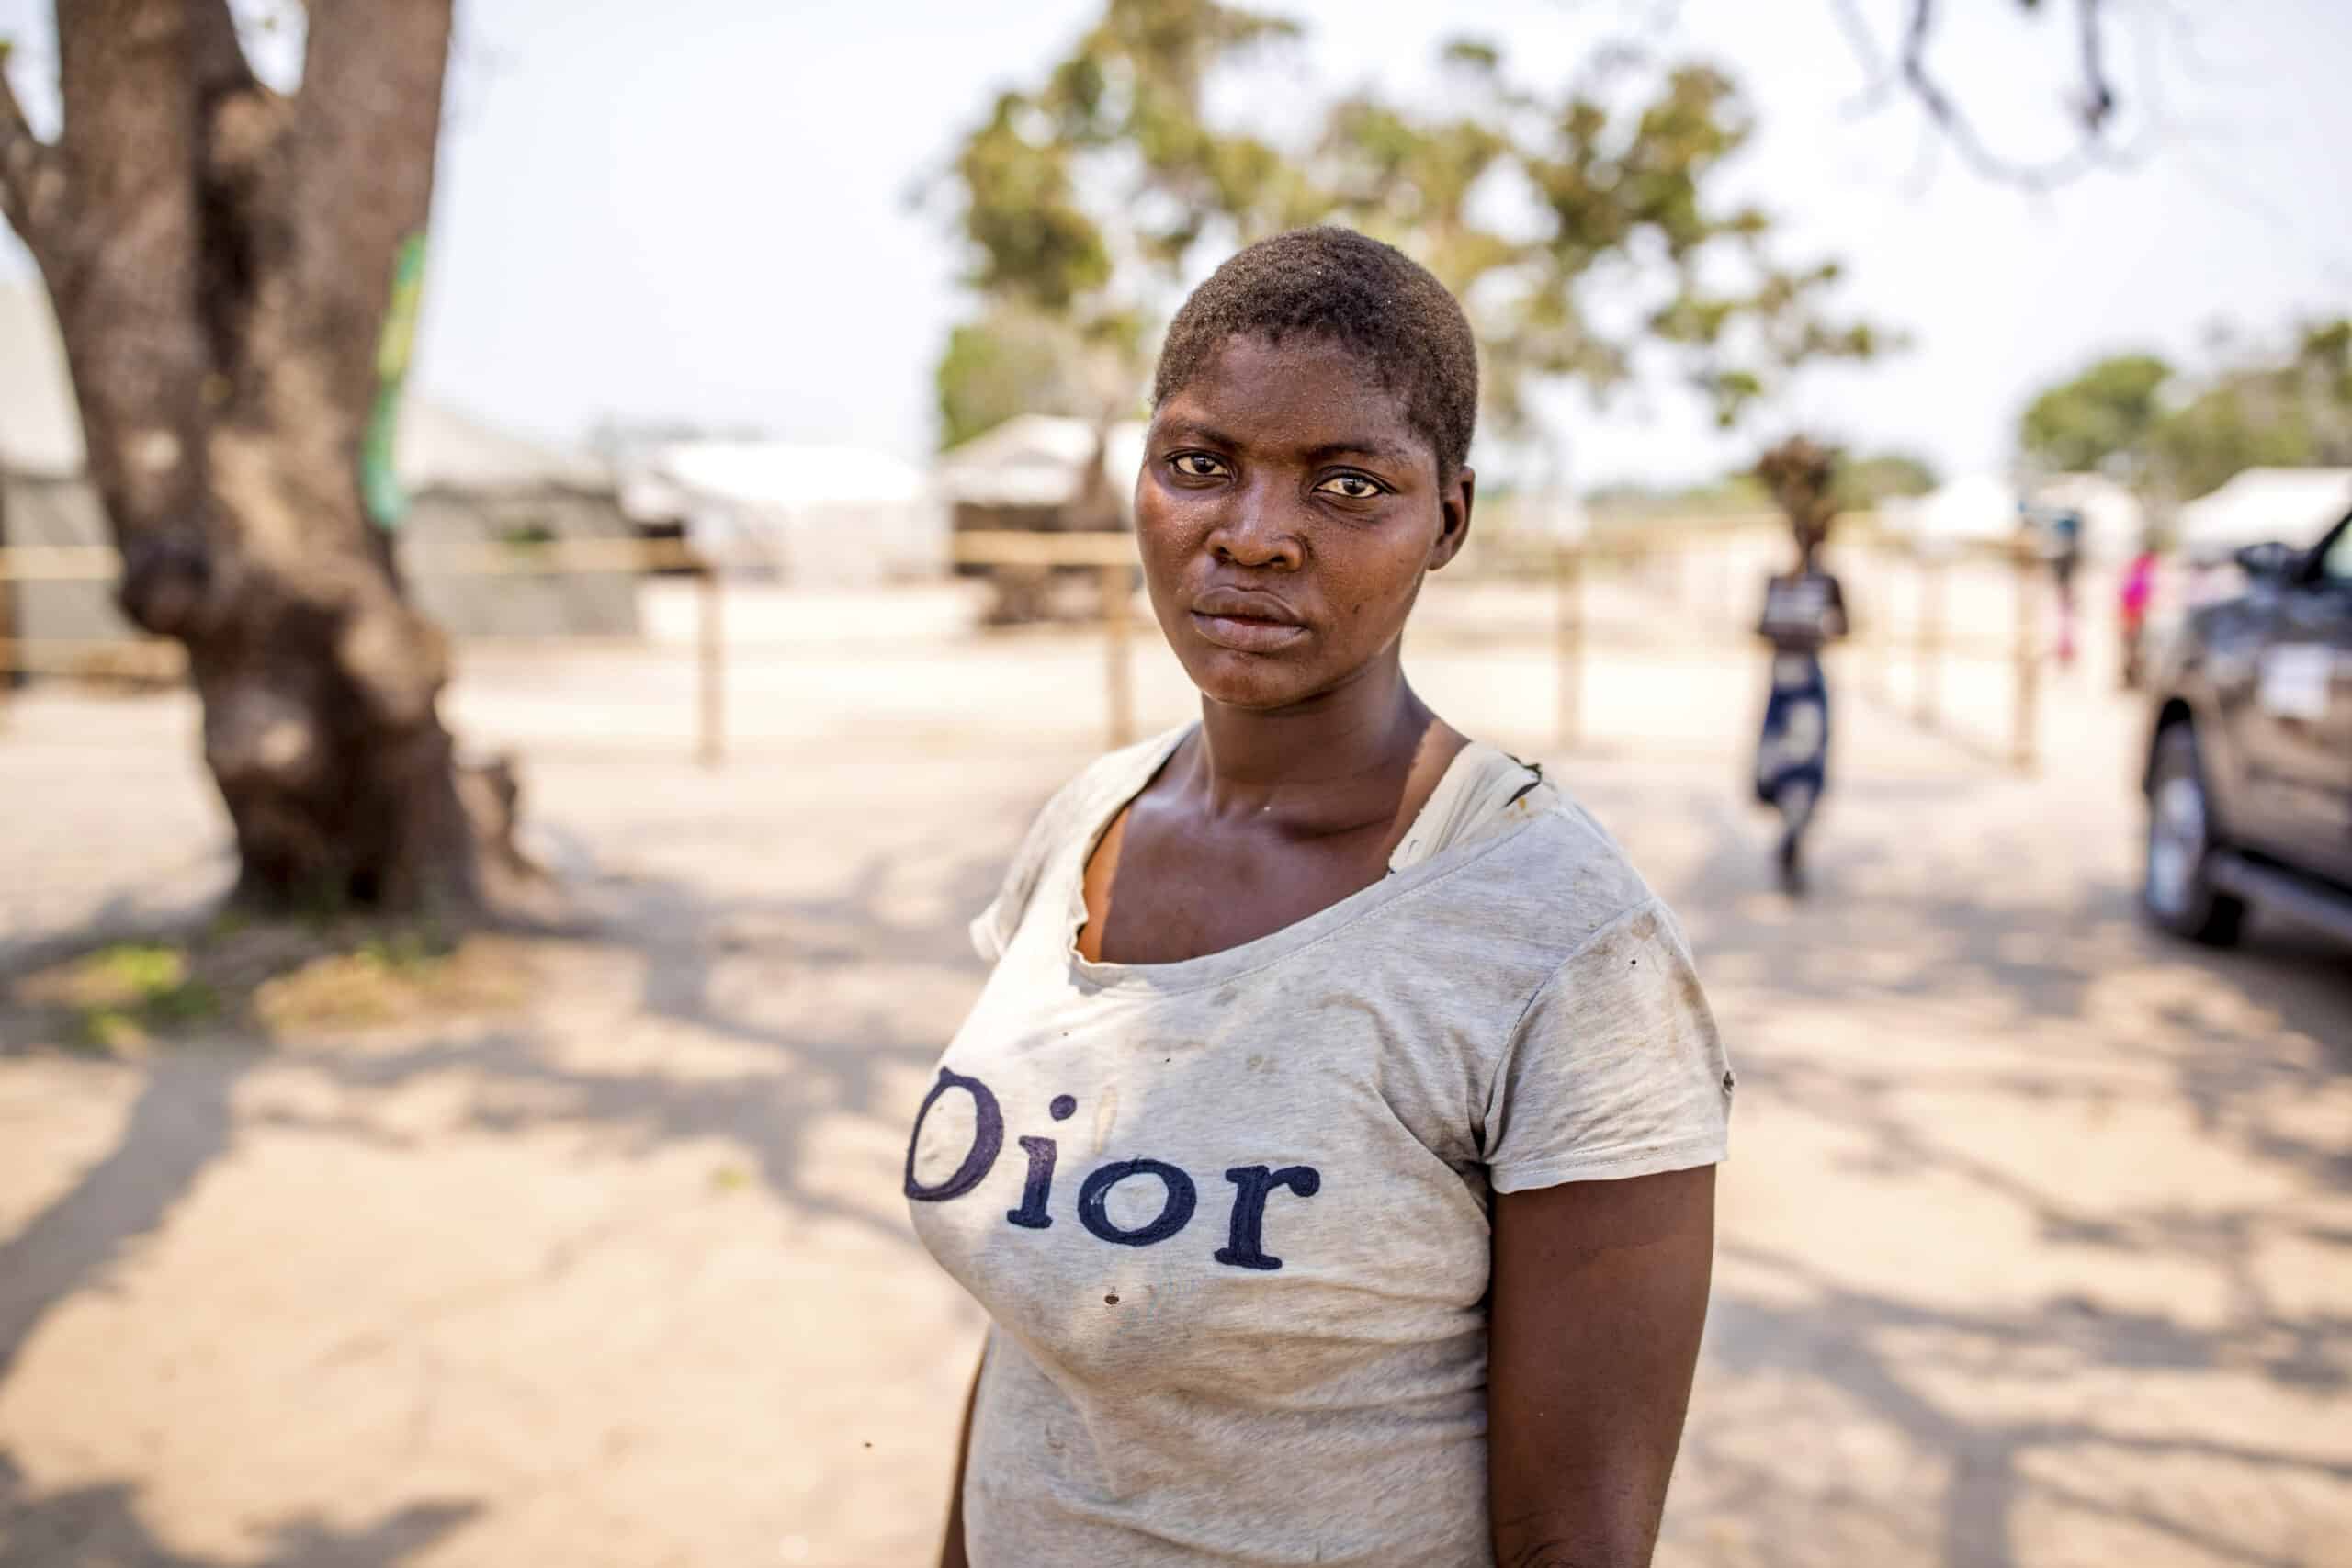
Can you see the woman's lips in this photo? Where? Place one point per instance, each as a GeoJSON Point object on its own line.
{"type": "Point", "coordinates": [1247, 620]}
{"type": "Point", "coordinates": [1247, 634]}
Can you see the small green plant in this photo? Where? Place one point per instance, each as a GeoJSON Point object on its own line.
{"type": "Point", "coordinates": [105, 1031]}
{"type": "Point", "coordinates": [527, 536]}
{"type": "Point", "coordinates": [407, 951]}
{"type": "Point", "coordinates": [127, 992]}
{"type": "Point", "coordinates": [227, 925]}
{"type": "Point", "coordinates": [138, 968]}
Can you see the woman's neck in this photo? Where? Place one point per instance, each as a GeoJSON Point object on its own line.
{"type": "Point", "coordinates": [1338, 759]}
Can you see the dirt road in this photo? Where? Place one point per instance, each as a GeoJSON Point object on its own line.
{"type": "Point", "coordinates": [2035, 1244]}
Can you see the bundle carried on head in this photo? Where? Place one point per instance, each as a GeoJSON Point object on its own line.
{"type": "Point", "coordinates": [1802, 474]}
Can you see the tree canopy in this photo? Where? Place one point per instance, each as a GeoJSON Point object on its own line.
{"type": "Point", "coordinates": [1586, 230]}
{"type": "Point", "coordinates": [2177, 435]}
{"type": "Point", "coordinates": [2101, 416]}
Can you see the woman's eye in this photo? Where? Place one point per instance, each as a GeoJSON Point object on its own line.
{"type": "Point", "coordinates": [1198, 466]}
{"type": "Point", "coordinates": [1350, 487]}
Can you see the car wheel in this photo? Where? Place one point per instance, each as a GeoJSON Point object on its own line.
{"type": "Point", "coordinates": [2175, 886]}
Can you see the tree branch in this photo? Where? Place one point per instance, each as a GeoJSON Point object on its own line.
{"type": "Point", "coordinates": [1882, 82]}
{"type": "Point", "coordinates": [214, 55]}
{"type": "Point", "coordinates": [2094, 106]}
{"type": "Point", "coordinates": [30, 183]}
{"type": "Point", "coordinates": [2098, 95]}
{"type": "Point", "coordinates": [120, 256]}
{"type": "Point", "coordinates": [365, 128]}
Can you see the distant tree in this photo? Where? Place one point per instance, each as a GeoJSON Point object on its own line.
{"type": "Point", "coordinates": [1864, 482]}
{"type": "Point", "coordinates": [1734, 493]}
{"type": "Point", "coordinates": [1013, 359]}
{"type": "Point", "coordinates": [1089, 197]}
{"type": "Point", "coordinates": [2101, 417]}
{"type": "Point", "coordinates": [234, 273]}
{"type": "Point", "coordinates": [2175, 435]}
{"type": "Point", "coordinates": [2289, 412]}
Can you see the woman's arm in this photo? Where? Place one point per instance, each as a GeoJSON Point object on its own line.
{"type": "Point", "coordinates": [951, 1551]}
{"type": "Point", "coordinates": [1600, 1291]}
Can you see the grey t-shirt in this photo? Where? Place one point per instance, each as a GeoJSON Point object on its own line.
{"type": "Point", "coordinates": [1229, 1216]}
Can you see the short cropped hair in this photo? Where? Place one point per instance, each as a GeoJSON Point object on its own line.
{"type": "Point", "coordinates": [1369, 298]}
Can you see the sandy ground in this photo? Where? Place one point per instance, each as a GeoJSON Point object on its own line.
{"type": "Point", "coordinates": [2035, 1246]}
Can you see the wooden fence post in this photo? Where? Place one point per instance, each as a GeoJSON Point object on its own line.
{"type": "Point", "coordinates": [1118, 662]}
{"type": "Point", "coordinates": [712, 740]}
{"type": "Point", "coordinates": [1927, 679]}
{"type": "Point", "coordinates": [1870, 639]}
{"type": "Point", "coordinates": [2025, 716]}
{"type": "Point", "coordinates": [1568, 569]}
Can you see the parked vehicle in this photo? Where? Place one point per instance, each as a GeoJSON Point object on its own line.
{"type": "Point", "coordinates": [2249, 764]}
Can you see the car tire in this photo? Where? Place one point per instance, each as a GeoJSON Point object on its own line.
{"type": "Point", "coordinates": [2175, 882]}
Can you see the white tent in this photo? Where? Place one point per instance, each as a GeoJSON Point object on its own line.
{"type": "Point", "coordinates": [1037, 459]}
{"type": "Point", "coordinates": [812, 515]}
{"type": "Point", "coordinates": [2295, 505]}
{"type": "Point", "coordinates": [1975, 507]}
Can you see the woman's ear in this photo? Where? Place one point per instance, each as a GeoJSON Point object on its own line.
{"type": "Point", "coordinates": [1454, 517]}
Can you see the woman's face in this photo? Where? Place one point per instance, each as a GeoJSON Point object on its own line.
{"type": "Point", "coordinates": [1286, 512]}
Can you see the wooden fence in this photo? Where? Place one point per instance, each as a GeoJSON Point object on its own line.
{"type": "Point", "coordinates": [1924, 641]}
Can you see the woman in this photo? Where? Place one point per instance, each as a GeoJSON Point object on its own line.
{"type": "Point", "coordinates": [1804, 611]}
{"type": "Point", "coordinates": [1332, 1145]}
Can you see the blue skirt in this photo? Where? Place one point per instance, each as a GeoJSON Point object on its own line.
{"type": "Point", "coordinates": [1795, 744]}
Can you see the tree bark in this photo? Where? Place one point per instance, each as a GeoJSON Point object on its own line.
{"type": "Point", "coordinates": [221, 260]}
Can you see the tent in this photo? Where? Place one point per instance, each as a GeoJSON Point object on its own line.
{"type": "Point", "coordinates": [810, 515]}
{"type": "Point", "coordinates": [1036, 461]}
{"type": "Point", "coordinates": [2294, 505]}
{"type": "Point", "coordinates": [1972, 509]}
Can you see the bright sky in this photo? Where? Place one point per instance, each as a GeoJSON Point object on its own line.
{"type": "Point", "coordinates": [699, 211]}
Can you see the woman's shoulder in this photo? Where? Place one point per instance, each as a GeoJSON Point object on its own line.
{"type": "Point", "coordinates": [1548, 875]}
{"type": "Point", "coordinates": [1592, 880]}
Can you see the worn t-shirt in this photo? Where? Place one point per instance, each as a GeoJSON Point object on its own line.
{"type": "Point", "coordinates": [1229, 1216]}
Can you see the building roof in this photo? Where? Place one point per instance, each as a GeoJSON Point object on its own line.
{"type": "Point", "coordinates": [789, 474]}
{"type": "Point", "coordinates": [436, 447]}
{"type": "Point", "coordinates": [2293, 505]}
{"type": "Point", "coordinates": [1036, 460]}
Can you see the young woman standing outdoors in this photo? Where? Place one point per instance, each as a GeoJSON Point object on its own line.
{"type": "Point", "coordinates": [1332, 1147]}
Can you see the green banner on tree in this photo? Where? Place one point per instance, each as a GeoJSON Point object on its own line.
{"type": "Point", "coordinates": [380, 486]}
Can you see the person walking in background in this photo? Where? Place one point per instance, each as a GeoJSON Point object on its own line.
{"type": "Point", "coordinates": [1804, 611]}
{"type": "Point", "coordinates": [2138, 591]}
{"type": "Point", "coordinates": [2066, 562]}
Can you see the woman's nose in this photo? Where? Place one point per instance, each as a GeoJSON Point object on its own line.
{"type": "Point", "coordinates": [1255, 535]}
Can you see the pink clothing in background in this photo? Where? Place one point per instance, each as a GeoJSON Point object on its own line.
{"type": "Point", "coordinates": [2139, 586]}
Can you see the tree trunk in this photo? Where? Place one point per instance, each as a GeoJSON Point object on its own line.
{"type": "Point", "coordinates": [221, 258]}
